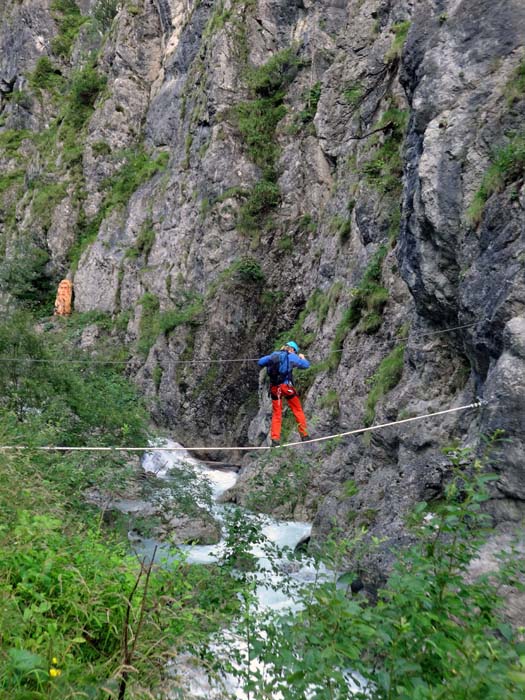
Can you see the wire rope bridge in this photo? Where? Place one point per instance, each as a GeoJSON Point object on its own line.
{"type": "Point", "coordinates": [63, 448]}
{"type": "Point", "coordinates": [204, 448]}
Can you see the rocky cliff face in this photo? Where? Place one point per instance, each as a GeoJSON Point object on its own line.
{"type": "Point", "coordinates": [217, 174]}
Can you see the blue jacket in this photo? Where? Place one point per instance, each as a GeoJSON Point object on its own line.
{"type": "Point", "coordinates": [287, 365]}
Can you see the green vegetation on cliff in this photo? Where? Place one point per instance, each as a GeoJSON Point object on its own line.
{"type": "Point", "coordinates": [66, 14]}
{"type": "Point", "coordinates": [385, 378]}
{"type": "Point", "coordinates": [257, 120]}
{"type": "Point", "coordinates": [366, 308]}
{"type": "Point", "coordinates": [508, 165]}
{"type": "Point", "coordinates": [187, 312]}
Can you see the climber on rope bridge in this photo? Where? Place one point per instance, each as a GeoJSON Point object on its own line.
{"type": "Point", "coordinates": [280, 365]}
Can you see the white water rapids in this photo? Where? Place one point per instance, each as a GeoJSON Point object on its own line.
{"type": "Point", "coordinates": [280, 533]}
{"type": "Point", "coordinates": [273, 591]}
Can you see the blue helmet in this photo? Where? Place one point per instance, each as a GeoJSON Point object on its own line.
{"type": "Point", "coordinates": [293, 345]}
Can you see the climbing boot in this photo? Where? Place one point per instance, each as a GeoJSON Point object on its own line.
{"type": "Point", "coordinates": [304, 438]}
{"type": "Point", "coordinates": [276, 443]}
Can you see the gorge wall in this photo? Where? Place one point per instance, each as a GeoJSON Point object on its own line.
{"type": "Point", "coordinates": [216, 175]}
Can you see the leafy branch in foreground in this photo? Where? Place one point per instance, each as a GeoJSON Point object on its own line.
{"type": "Point", "coordinates": [434, 634]}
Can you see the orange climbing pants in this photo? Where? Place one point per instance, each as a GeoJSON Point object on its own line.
{"type": "Point", "coordinates": [288, 392]}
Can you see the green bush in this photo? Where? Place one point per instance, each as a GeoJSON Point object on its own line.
{"type": "Point", "coordinates": [307, 114]}
{"type": "Point", "coordinates": [68, 598]}
{"type": "Point", "coordinates": [69, 19]}
{"type": "Point", "coordinates": [278, 72]}
{"type": "Point", "coordinates": [260, 200]}
{"type": "Point", "coordinates": [71, 593]}
{"type": "Point", "coordinates": [85, 87]}
{"type": "Point", "coordinates": [366, 307]}
{"type": "Point", "coordinates": [507, 166]}
{"type": "Point", "coordinates": [515, 88]}
{"type": "Point", "coordinates": [43, 389]}
{"type": "Point", "coordinates": [385, 378]}
{"type": "Point", "coordinates": [257, 120]}
{"type": "Point", "coordinates": [24, 275]}
{"type": "Point", "coordinates": [284, 487]}
{"type": "Point", "coordinates": [434, 634]}
{"type": "Point", "coordinates": [384, 169]}
{"type": "Point", "coordinates": [46, 75]}
{"type": "Point", "coordinates": [400, 36]}
{"type": "Point", "coordinates": [249, 271]}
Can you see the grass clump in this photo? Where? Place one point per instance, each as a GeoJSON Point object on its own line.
{"type": "Point", "coordinates": [217, 21]}
{"type": "Point", "coordinates": [149, 327]}
{"type": "Point", "coordinates": [12, 181]}
{"type": "Point", "coordinates": [385, 378]}
{"type": "Point", "coordinates": [257, 121]}
{"type": "Point", "coordinates": [400, 30]}
{"type": "Point", "coordinates": [507, 166]}
{"type": "Point", "coordinates": [312, 97]}
{"type": "Point", "coordinates": [330, 401]}
{"type": "Point", "coordinates": [307, 224]}
{"type": "Point", "coordinates": [104, 12]}
{"type": "Point", "coordinates": [144, 242]}
{"type": "Point", "coordinates": [46, 75]}
{"type": "Point", "coordinates": [384, 169]}
{"type": "Point", "coordinates": [248, 271]}
{"type": "Point", "coordinates": [11, 140]}
{"type": "Point", "coordinates": [66, 14]}
{"type": "Point", "coordinates": [353, 93]}
{"type": "Point", "coordinates": [45, 199]}
{"type": "Point", "coordinates": [366, 307]}
{"type": "Point", "coordinates": [275, 75]}
{"type": "Point", "coordinates": [85, 87]}
{"type": "Point", "coordinates": [188, 311]}
{"type": "Point", "coordinates": [137, 168]}
{"type": "Point", "coordinates": [263, 197]}
{"type": "Point", "coordinates": [515, 88]}
{"type": "Point", "coordinates": [342, 226]}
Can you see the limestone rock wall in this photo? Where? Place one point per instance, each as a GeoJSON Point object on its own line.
{"type": "Point", "coordinates": [249, 169]}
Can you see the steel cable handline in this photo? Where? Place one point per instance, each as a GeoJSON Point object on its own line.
{"type": "Point", "coordinates": [357, 431]}
{"type": "Point", "coordinates": [198, 362]}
